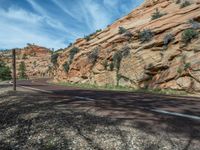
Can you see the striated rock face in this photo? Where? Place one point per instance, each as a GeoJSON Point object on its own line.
{"type": "Point", "coordinates": [162, 62]}
{"type": "Point", "coordinates": [37, 60]}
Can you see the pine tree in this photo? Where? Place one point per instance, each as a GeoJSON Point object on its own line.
{"type": "Point", "coordinates": [22, 71]}
{"type": "Point", "coordinates": [5, 72]}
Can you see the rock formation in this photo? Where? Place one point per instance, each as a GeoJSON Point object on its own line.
{"type": "Point", "coordinates": [37, 60]}
{"type": "Point", "coordinates": [145, 53]}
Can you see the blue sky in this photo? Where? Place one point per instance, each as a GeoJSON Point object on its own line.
{"type": "Point", "coordinates": [56, 23]}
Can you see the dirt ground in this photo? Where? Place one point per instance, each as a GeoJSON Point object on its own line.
{"type": "Point", "coordinates": [36, 121]}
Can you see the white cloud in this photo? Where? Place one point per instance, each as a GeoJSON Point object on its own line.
{"type": "Point", "coordinates": [20, 15]}
{"type": "Point", "coordinates": [64, 8]}
{"type": "Point", "coordinates": [18, 37]}
{"type": "Point", "coordinates": [19, 27]}
{"type": "Point", "coordinates": [95, 16]}
{"type": "Point", "coordinates": [110, 3]}
{"type": "Point", "coordinates": [53, 22]}
{"type": "Point", "coordinates": [48, 27]}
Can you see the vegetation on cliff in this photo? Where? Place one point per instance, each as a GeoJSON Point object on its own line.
{"type": "Point", "coordinates": [22, 71]}
{"type": "Point", "coordinates": [5, 72]}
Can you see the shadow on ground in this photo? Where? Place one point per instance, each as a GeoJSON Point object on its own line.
{"type": "Point", "coordinates": [108, 120]}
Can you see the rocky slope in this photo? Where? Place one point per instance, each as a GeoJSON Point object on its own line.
{"type": "Point", "coordinates": [37, 60]}
{"type": "Point", "coordinates": [146, 53]}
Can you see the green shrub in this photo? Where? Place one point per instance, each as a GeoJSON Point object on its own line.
{"type": "Point", "coordinates": [70, 44]}
{"type": "Point", "coordinates": [185, 4]}
{"type": "Point", "coordinates": [93, 56]}
{"type": "Point", "coordinates": [22, 70]}
{"type": "Point", "coordinates": [178, 1]}
{"type": "Point", "coordinates": [54, 58]}
{"type": "Point", "coordinates": [66, 66]}
{"type": "Point", "coordinates": [87, 37]}
{"type": "Point", "coordinates": [157, 14]}
{"type": "Point", "coordinates": [117, 59]}
{"type": "Point", "coordinates": [112, 66]}
{"type": "Point", "coordinates": [194, 24]}
{"type": "Point", "coordinates": [187, 66]}
{"type": "Point", "coordinates": [179, 70]}
{"type": "Point", "coordinates": [122, 30]}
{"type": "Point", "coordinates": [72, 53]}
{"type": "Point", "coordinates": [188, 35]}
{"type": "Point", "coordinates": [5, 72]}
{"type": "Point", "coordinates": [125, 51]}
{"type": "Point", "coordinates": [146, 35]}
{"type": "Point", "coordinates": [167, 39]}
{"type": "Point", "coordinates": [24, 56]}
{"type": "Point", "coordinates": [98, 30]}
{"type": "Point", "coordinates": [128, 34]}
{"type": "Point", "coordinates": [105, 64]}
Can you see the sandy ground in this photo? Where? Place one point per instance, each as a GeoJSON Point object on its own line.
{"type": "Point", "coordinates": [34, 121]}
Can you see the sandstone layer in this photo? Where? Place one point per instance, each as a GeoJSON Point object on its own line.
{"type": "Point", "coordinates": [37, 60]}
{"type": "Point", "coordinates": [148, 64]}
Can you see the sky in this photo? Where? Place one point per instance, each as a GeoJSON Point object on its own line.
{"type": "Point", "coordinates": [56, 23]}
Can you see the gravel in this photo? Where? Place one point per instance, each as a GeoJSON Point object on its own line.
{"type": "Point", "coordinates": [35, 121]}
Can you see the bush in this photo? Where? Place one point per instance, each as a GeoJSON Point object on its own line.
{"type": "Point", "coordinates": [24, 56]}
{"type": "Point", "coordinates": [188, 35]}
{"type": "Point", "coordinates": [187, 66]}
{"type": "Point", "coordinates": [194, 24]}
{"type": "Point", "coordinates": [178, 1]}
{"type": "Point", "coordinates": [156, 15]}
{"type": "Point", "coordinates": [70, 44]}
{"type": "Point", "coordinates": [87, 38]}
{"type": "Point", "coordinates": [5, 72]}
{"type": "Point", "coordinates": [128, 34]}
{"type": "Point", "coordinates": [146, 35]}
{"type": "Point", "coordinates": [112, 66]}
{"type": "Point", "coordinates": [98, 30]}
{"type": "Point", "coordinates": [185, 4]}
{"type": "Point", "coordinates": [66, 66]}
{"type": "Point", "coordinates": [122, 30]}
{"type": "Point", "coordinates": [72, 53]}
{"type": "Point", "coordinates": [54, 58]}
{"type": "Point", "coordinates": [167, 39]}
{"type": "Point", "coordinates": [117, 59]}
{"type": "Point", "coordinates": [22, 71]}
{"type": "Point", "coordinates": [93, 56]}
{"type": "Point", "coordinates": [125, 51]}
{"type": "Point", "coordinates": [105, 64]}
{"type": "Point", "coordinates": [179, 70]}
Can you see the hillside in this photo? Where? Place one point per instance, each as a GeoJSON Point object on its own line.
{"type": "Point", "coordinates": [140, 50]}
{"type": "Point", "coordinates": [37, 60]}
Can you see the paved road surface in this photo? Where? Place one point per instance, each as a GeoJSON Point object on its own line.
{"type": "Point", "coordinates": [187, 106]}
{"type": "Point", "coordinates": [156, 111]}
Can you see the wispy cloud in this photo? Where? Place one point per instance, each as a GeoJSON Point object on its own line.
{"type": "Point", "coordinates": [55, 23]}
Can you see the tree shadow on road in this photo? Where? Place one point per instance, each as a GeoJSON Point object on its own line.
{"type": "Point", "coordinates": [107, 120]}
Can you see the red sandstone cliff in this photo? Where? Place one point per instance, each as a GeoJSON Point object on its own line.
{"type": "Point", "coordinates": [37, 60]}
{"type": "Point", "coordinates": [147, 64]}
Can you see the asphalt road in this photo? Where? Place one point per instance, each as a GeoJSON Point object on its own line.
{"type": "Point", "coordinates": [154, 112]}
{"type": "Point", "coordinates": [187, 107]}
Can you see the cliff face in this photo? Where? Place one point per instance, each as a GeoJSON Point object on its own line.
{"type": "Point", "coordinates": [155, 58]}
{"type": "Point", "coordinates": [37, 60]}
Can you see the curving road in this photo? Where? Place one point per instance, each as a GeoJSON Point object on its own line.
{"type": "Point", "coordinates": [177, 106]}
{"type": "Point", "coordinates": [178, 114]}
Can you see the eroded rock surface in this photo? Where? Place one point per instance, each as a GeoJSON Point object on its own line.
{"type": "Point", "coordinates": [150, 64]}
{"type": "Point", "coordinates": [37, 60]}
